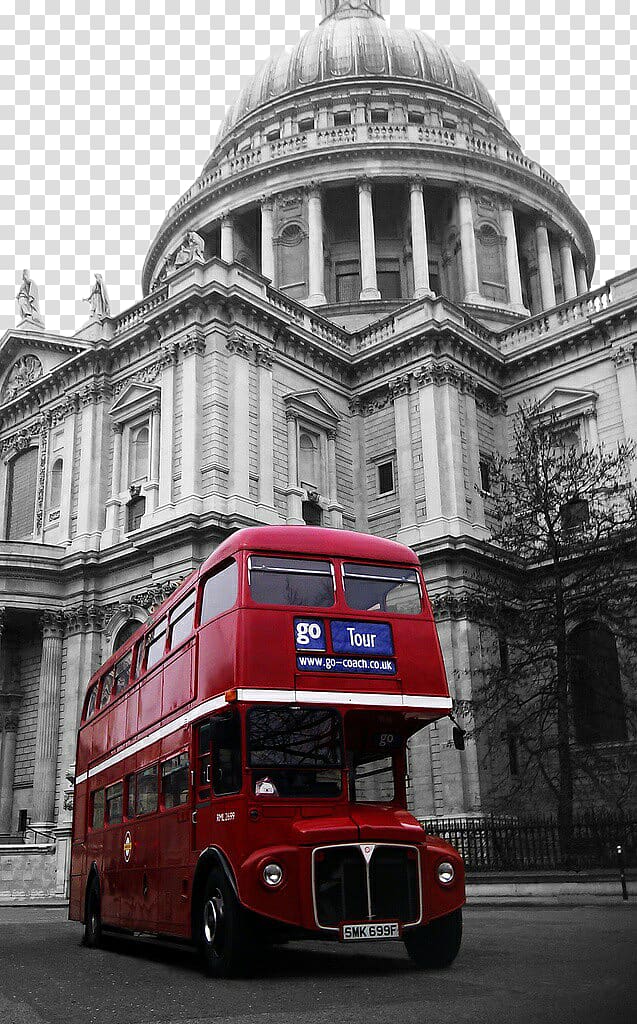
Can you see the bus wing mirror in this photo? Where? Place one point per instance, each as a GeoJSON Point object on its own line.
{"type": "Point", "coordinates": [458, 737]}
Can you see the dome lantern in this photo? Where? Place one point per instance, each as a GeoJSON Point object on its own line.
{"type": "Point", "coordinates": [350, 8]}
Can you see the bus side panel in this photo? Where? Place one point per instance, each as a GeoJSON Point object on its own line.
{"type": "Point", "coordinates": [216, 656]}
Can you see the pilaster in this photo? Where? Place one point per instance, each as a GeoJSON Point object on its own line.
{"type": "Point", "coordinates": [266, 433]}
{"type": "Point", "coordinates": [166, 433]}
{"type": "Point", "coordinates": [400, 390]}
{"type": "Point", "coordinates": [239, 350]}
{"type": "Point", "coordinates": [512, 261]}
{"type": "Point", "coordinates": [294, 493]}
{"type": "Point", "coordinates": [112, 532]}
{"type": "Point", "coordinates": [568, 269]}
{"type": "Point", "coordinates": [48, 723]}
{"type": "Point", "coordinates": [193, 348]}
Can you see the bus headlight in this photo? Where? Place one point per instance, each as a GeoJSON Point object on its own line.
{"type": "Point", "coordinates": [446, 873]}
{"type": "Point", "coordinates": [273, 874]}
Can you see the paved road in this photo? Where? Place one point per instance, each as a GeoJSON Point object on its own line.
{"type": "Point", "coordinates": [530, 965]}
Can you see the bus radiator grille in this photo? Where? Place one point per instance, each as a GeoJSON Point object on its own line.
{"type": "Point", "coordinates": [346, 887]}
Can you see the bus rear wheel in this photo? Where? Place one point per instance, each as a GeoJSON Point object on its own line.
{"type": "Point", "coordinates": [436, 944]}
{"type": "Point", "coordinates": [222, 936]}
{"type": "Point", "coordinates": [92, 917]}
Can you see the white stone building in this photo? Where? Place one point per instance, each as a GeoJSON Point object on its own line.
{"type": "Point", "coordinates": [339, 317]}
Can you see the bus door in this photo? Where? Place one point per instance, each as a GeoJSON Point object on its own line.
{"type": "Point", "coordinates": [217, 782]}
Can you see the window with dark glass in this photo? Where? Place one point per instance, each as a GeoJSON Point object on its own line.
{"type": "Point", "coordinates": [298, 582]}
{"type": "Point", "coordinates": [485, 475]}
{"type": "Point", "coordinates": [312, 513]}
{"type": "Point", "coordinates": [134, 513]}
{"type": "Point", "coordinates": [388, 279]}
{"type": "Point", "coordinates": [146, 790]}
{"type": "Point", "coordinates": [341, 118]}
{"type": "Point", "coordinates": [174, 781]}
{"type": "Point", "coordinates": [379, 116]}
{"type": "Point", "coordinates": [599, 714]}
{"type": "Point", "coordinates": [416, 117]}
{"type": "Point", "coordinates": [295, 751]}
{"type": "Point", "coordinates": [220, 592]}
{"type": "Point", "coordinates": [226, 754]}
{"type": "Point", "coordinates": [108, 682]}
{"type": "Point", "coordinates": [115, 803]}
{"type": "Point", "coordinates": [182, 620]}
{"type": "Point", "coordinates": [574, 514]}
{"type": "Point", "coordinates": [122, 672]}
{"type": "Point", "coordinates": [92, 701]}
{"type": "Point", "coordinates": [131, 796]}
{"type": "Point", "coordinates": [382, 588]}
{"type": "Point", "coordinates": [97, 816]}
{"type": "Point", "coordinates": [155, 643]}
{"type": "Point", "coordinates": [306, 124]}
{"type": "Point", "coordinates": [204, 761]}
{"type": "Point", "coordinates": [385, 477]}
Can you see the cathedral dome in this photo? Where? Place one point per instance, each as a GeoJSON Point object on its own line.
{"type": "Point", "coordinates": [355, 42]}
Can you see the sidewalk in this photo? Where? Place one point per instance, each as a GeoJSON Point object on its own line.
{"type": "Point", "coordinates": [575, 888]}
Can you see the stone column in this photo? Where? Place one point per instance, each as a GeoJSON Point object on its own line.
{"type": "Point", "coordinates": [400, 389]}
{"type": "Point", "coordinates": [111, 533]}
{"type": "Point", "coordinates": [513, 264]}
{"type": "Point", "coordinates": [369, 283]}
{"type": "Point", "coordinates": [471, 283]}
{"type": "Point", "coordinates": [430, 452]}
{"type": "Point", "coordinates": [266, 429]}
{"type": "Point", "coordinates": [70, 427]}
{"type": "Point", "coordinates": [294, 492]}
{"type": "Point", "coordinates": [473, 451]}
{"type": "Point", "coordinates": [169, 363]}
{"type": "Point", "coordinates": [580, 273]}
{"type": "Point", "coordinates": [420, 253]}
{"type": "Point", "coordinates": [545, 266]}
{"type": "Point", "coordinates": [359, 452]}
{"type": "Point", "coordinates": [89, 504]}
{"type": "Point", "coordinates": [568, 269]}
{"type": "Point", "coordinates": [267, 238]}
{"type": "Point", "coordinates": [151, 488]}
{"type": "Point", "coordinates": [239, 349]}
{"type": "Point", "coordinates": [624, 359]}
{"type": "Point", "coordinates": [335, 510]}
{"type": "Point", "coordinates": [227, 240]}
{"type": "Point", "coordinates": [48, 724]}
{"type": "Point", "coordinates": [7, 771]}
{"type": "Point", "coordinates": [193, 348]}
{"type": "Point", "coordinates": [316, 283]}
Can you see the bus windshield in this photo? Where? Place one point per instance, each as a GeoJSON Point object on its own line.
{"type": "Point", "coordinates": [382, 588]}
{"type": "Point", "coordinates": [295, 751]}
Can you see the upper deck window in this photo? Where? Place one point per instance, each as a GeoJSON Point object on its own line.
{"type": "Point", "coordinates": [122, 671]}
{"type": "Point", "coordinates": [382, 588]}
{"type": "Point", "coordinates": [182, 620]}
{"type": "Point", "coordinates": [107, 688]}
{"type": "Point", "coordinates": [220, 592]}
{"type": "Point", "coordinates": [300, 582]}
{"type": "Point", "coordinates": [92, 701]}
{"type": "Point", "coordinates": [155, 643]}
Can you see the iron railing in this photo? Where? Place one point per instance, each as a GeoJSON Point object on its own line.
{"type": "Point", "coordinates": [503, 843]}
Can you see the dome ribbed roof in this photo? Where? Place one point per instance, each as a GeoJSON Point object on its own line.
{"type": "Point", "coordinates": [357, 44]}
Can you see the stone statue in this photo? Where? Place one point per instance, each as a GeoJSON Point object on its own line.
{"type": "Point", "coordinates": [190, 249]}
{"type": "Point", "coordinates": [28, 300]}
{"type": "Point", "coordinates": [100, 305]}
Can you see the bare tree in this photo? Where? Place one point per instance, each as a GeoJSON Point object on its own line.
{"type": "Point", "coordinates": [565, 532]}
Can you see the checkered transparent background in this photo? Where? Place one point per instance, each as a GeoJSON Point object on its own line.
{"type": "Point", "coordinates": [109, 110]}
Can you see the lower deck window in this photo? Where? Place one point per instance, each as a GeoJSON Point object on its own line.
{"type": "Point", "coordinates": [174, 781]}
{"type": "Point", "coordinates": [114, 803]}
{"type": "Point", "coordinates": [147, 790]}
{"type": "Point", "coordinates": [97, 816]}
{"type": "Point", "coordinates": [371, 778]}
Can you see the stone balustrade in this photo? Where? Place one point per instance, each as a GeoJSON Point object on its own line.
{"type": "Point", "coordinates": [245, 160]}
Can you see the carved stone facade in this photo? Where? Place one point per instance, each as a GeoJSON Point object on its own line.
{"type": "Point", "coordinates": [221, 400]}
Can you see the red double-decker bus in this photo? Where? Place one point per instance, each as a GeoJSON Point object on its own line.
{"type": "Point", "coordinates": [241, 760]}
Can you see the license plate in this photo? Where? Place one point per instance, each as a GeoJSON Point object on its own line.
{"type": "Point", "coordinates": [370, 930]}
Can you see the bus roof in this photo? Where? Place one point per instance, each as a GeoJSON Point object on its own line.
{"type": "Point", "coordinates": [312, 540]}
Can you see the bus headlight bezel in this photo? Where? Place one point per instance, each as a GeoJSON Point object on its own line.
{"type": "Point", "coordinates": [272, 874]}
{"type": "Point", "coordinates": [446, 873]}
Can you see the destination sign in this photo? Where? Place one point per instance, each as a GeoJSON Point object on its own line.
{"type": "Point", "coordinates": [367, 638]}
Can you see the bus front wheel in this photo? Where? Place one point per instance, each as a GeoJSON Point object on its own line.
{"type": "Point", "coordinates": [221, 928]}
{"type": "Point", "coordinates": [436, 944]}
{"type": "Point", "coordinates": [92, 917]}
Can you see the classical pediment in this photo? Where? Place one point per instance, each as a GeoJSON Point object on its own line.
{"type": "Point", "coordinates": [567, 403]}
{"type": "Point", "coordinates": [312, 406]}
{"type": "Point", "coordinates": [29, 353]}
{"type": "Point", "coordinates": [134, 400]}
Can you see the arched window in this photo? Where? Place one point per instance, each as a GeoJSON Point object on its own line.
{"type": "Point", "coordinates": [21, 492]}
{"type": "Point", "coordinates": [489, 245]}
{"type": "Point", "coordinates": [139, 453]}
{"type": "Point", "coordinates": [124, 632]}
{"type": "Point", "coordinates": [596, 693]}
{"type": "Point", "coordinates": [308, 461]}
{"type": "Point", "coordinates": [292, 256]}
{"type": "Point", "coordinates": [55, 492]}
